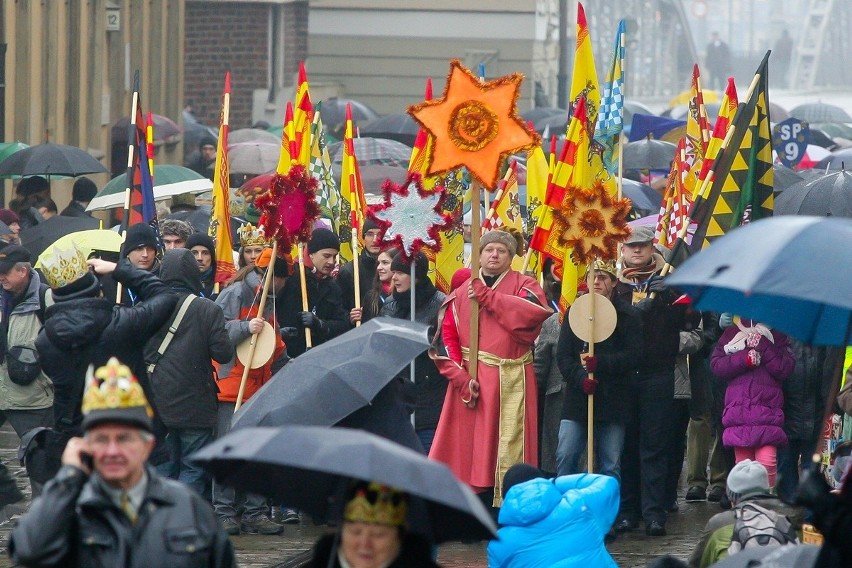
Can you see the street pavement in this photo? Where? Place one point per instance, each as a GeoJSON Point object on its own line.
{"type": "Point", "coordinates": [631, 550]}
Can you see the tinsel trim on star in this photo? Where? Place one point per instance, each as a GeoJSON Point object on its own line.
{"type": "Point", "coordinates": [289, 208]}
{"type": "Point", "coordinates": [592, 223]}
{"type": "Point", "coordinates": [383, 216]}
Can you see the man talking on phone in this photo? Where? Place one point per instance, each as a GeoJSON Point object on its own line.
{"type": "Point", "coordinates": [106, 507]}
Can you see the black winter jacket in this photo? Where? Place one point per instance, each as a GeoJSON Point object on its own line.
{"type": "Point", "coordinates": [430, 388]}
{"type": "Point", "coordinates": [324, 299]}
{"type": "Point", "coordinates": [415, 552]}
{"type": "Point", "coordinates": [88, 331]}
{"type": "Point", "coordinates": [618, 356]}
{"type": "Point", "coordinates": [74, 523]}
{"type": "Point", "coordinates": [366, 275]}
{"type": "Point", "coordinates": [183, 381]}
{"type": "Point", "coordinates": [805, 391]}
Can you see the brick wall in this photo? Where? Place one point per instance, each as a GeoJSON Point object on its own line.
{"type": "Point", "coordinates": [225, 37]}
{"type": "Point", "coordinates": [295, 38]}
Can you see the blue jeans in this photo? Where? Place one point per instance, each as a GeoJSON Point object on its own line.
{"type": "Point", "coordinates": [181, 443]}
{"type": "Point", "coordinates": [609, 441]}
{"type": "Point", "coordinates": [228, 502]}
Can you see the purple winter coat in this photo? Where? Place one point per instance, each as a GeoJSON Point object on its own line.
{"type": "Point", "coordinates": [754, 401]}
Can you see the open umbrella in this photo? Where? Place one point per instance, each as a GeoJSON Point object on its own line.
{"type": "Point", "coordinates": [373, 176]}
{"type": "Point", "coordinates": [643, 196]}
{"type": "Point", "coordinates": [648, 154]}
{"type": "Point", "coordinates": [820, 112]}
{"type": "Point", "coordinates": [786, 556]}
{"type": "Point", "coordinates": [9, 148]}
{"type": "Point", "coordinates": [333, 112]}
{"type": "Point", "coordinates": [307, 466]}
{"type": "Point", "coordinates": [254, 135]}
{"type": "Point", "coordinates": [169, 180]}
{"type": "Point", "coordinates": [783, 177]}
{"type": "Point", "coordinates": [333, 380]}
{"type": "Point", "coordinates": [165, 128]}
{"type": "Point", "coordinates": [837, 160]}
{"type": "Point", "coordinates": [827, 195]}
{"type": "Point", "coordinates": [38, 237]}
{"type": "Point", "coordinates": [87, 241]}
{"type": "Point", "coordinates": [399, 127]}
{"type": "Point", "coordinates": [812, 156]}
{"type": "Point", "coordinates": [773, 271]}
{"type": "Point", "coordinates": [374, 151]}
{"type": "Point", "coordinates": [50, 159]}
{"type": "Point", "coordinates": [253, 158]}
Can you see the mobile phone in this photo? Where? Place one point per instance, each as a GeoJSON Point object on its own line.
{"type": "Point", "coordinates": [87, 460]}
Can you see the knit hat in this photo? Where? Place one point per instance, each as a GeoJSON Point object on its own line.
{"type": "Point", "coordinates": [459, 276]}
{"type": "Point", "coordinates": [421, 266]}
{"type": "Point", "coordinates": [113, 395]}
{"type": "Point", "coordinates": [8, 216]}
{"type": "Point", "coordinates": [200, 239]}
{"type": "Point", "coordinates": [519, 473]}
{"type": "Point", "coordinates": [84, 190]}
{"type": "Point", "coordinates": [207, 141]}
{"type": "Point", "coordinates": [138, 235]}
{"type": "Point", "coordinates": [323, 239]}
{"type": "Point", "coordinates": [499, 236]}
{"type": "Point", "coordinates": [369, 224]}
{"type": "Point", "coordinates": [640, 234]}
{"type": "Point", "coordinates": [747, 478]}
{"type": "Point", "coordinates": [32, 185]}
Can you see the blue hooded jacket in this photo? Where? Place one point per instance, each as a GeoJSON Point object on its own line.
{"type": "Point", "coordinates": [556, 523]}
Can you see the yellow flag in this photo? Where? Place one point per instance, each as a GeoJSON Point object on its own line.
{"type": "Point", "coordinates": [352, 201]}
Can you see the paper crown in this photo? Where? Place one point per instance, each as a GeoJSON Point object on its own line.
{"type": "Point", "coordinates": [114, 395]}
{"type": "Point", "coordinates": [252, 236]}
{"type": "Point", "coordinates": [377, 504]}
{"type": "Point", "coordinates": [64, 266]}
{"type": "Point", "coordinates": [605, 266]}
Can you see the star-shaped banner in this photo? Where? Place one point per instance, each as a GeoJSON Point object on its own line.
{"type": "Point", "coordinates": [411, 217]}
{"type": "Point", "coordinates": [475, 124]}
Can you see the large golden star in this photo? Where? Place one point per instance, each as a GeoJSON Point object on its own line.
{"type": "Point", "coordinates": [475, 124]}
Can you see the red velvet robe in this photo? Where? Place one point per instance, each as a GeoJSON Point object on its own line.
{"type": "Point", "coordinates": [509, 322]}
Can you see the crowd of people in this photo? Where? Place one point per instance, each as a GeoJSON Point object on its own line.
{"type": "Point", "coordinates": [131, 364]}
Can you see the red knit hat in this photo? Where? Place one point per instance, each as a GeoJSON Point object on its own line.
{"type": "Point", "coordinates": [459, 277]}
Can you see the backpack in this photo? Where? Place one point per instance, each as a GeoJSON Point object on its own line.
{"type": "Point", "coordinates": [758, 526]}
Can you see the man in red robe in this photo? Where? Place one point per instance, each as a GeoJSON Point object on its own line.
{"type": "Point", "coordinates": [490, 423]}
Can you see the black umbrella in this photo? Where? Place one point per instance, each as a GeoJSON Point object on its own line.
{"type": "Point", "coordinates": [820, 112]}
{"type": "Point", "coordinates": [308, 466]}
{"type": "Point", "coordinates": [648, 154]}
{"type": "Point", "coordinates": [37, 238]}
{"type": "Point", "coordinates": [399, 127]}
{"type": "Point", "coordinates": [786, 556]}
{"type": "Point", "coordinates": [643, 196]}
{"type": "Point", "coordinates": [333, 112]}
{"type": "Point", "coordinates": [331, 381]}
{"type": "Point", "coordinates": [783, 177]}
{"type": "Point", "coordinates": [164, 128]}
{"type": "Point", "coordinates": [838, 160]}
{"type": "Point", "coordinates": [50, 159]}
{"type": "Point", "coordinates": [829, 195]}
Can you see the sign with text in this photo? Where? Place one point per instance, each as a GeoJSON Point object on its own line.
{"type": "Point", "coordinates": [790, 139]}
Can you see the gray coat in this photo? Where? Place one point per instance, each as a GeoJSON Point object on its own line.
{"type": "Point", "coordinates": [74, 523]}
{"type": "Point", "coordinates": [550, 386]}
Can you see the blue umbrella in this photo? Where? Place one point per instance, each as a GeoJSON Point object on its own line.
{"type": "Point", "coordinates": [793, 273]}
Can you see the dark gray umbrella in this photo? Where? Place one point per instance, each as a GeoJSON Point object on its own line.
{"type": "Point", "coordinates": [778, 556]}
{"type": "Point", "coordinates": [783, 177]}
{"type": "Point", "coordinates": [38, 237]}
{"type": "Point", "coordinates": [643, 196]}
{"type": "Point", "coordinates": [329, 382]}
{"type": "Point", "coordinates": [648, 154]}
{"type": "Point", "coordinates": [838, 160]}
{"type": "Point", "coordinates": [333, 112]}
{"type": "Point", "coordinates": [308, 466]}
{"type": "Point", "coordinates": [820, 112]}
{"type": "Point", "coordinates": [50, 159]}
{"type": "Point", "coordinates": [380, 151]}
{"type": "Point", "coordinates": [829, 195]}
{"type": "Point", "coordinates": [774, 271]}
{"type": "Point", "coordinates": [399, 127]}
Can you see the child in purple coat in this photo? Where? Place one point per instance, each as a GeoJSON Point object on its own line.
{"type": "Point", "coordinates": [753, 360]}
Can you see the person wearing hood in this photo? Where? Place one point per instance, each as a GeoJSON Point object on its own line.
{"type": "Point", "coordinates": [429, 388]}
{"type": "Point", "coordinates": [181, 375]}
{"type": "Point", "coordinates": [204, 251]}
{"type": "Point", "coordinates": [367, 263]}
{"type": "Point", "coordinates": [554, 522]}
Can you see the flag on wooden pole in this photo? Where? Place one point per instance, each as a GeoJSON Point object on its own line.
{"type": "Point", "coordinates": [611, 115]}
{"type": "Point", "coordinates": [352, 200]}
{"type": "Point", "coordinates": [139, 197]}
{"type": "Point", "coordinates": [220, 218]}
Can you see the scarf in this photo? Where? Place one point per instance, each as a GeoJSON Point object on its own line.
{"type": "Point", "coordinates": [640, 274]}
{"type": "Point", "coordinates": [747, 337]}
{"type": "Point", "coordinates": [423, 293]}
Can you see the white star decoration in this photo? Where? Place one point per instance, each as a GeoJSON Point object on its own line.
{"type": "Point", "coordinates": [411, 217]}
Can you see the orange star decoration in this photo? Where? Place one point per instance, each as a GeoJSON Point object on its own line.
{"type": "Point", "coordinates": [592, 223]}
{"type": "Point", "coordinates": [475, 125]}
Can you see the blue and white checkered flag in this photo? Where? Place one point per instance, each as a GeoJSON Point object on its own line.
{"type": "Point", "coordinates": [611, 115]}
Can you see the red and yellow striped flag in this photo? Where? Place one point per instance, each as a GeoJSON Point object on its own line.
{"type": "Point", "coordinates": [220, 221]}
{"type": "Point", "coordinates": [303, 117]}
{"type": "Point", "coordinates": [149, 143]}
{"type": "Point", "coordinates": [727, 110]}
{"type": "Point", "coordinates": [352, 202]}
{"type": "Point", "coordinates": [288, 142]}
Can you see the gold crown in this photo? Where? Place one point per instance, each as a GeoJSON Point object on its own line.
{"type": "Point", "coordinates": [252, 236]}
{"type": "Point", "coordinates": [64, 266]}
{"type": "Point", "coordinates": [605, 266]}
{"type": "Point", "coordinates": [113, 387]}
{"type": "Point", "coordinates": [377, 504]}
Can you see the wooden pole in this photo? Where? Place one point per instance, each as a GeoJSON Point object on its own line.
{"type": "Point", "coordinates": [131, 148]}
{"type": "Point", "coordinates": [620, 166]}
{"type": "Point", "coordinates": [304, 285]}
{"type": "Point", "coordinates": [475, 222]}
{"type": "Point", "coordinates": [267, 281]}
{"type": "Point", "coordinates": [356, 265]}
{"type": "Point", "coordinates": [590, 428]}
{"type": "Point", "coordinates": [412, 314]}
